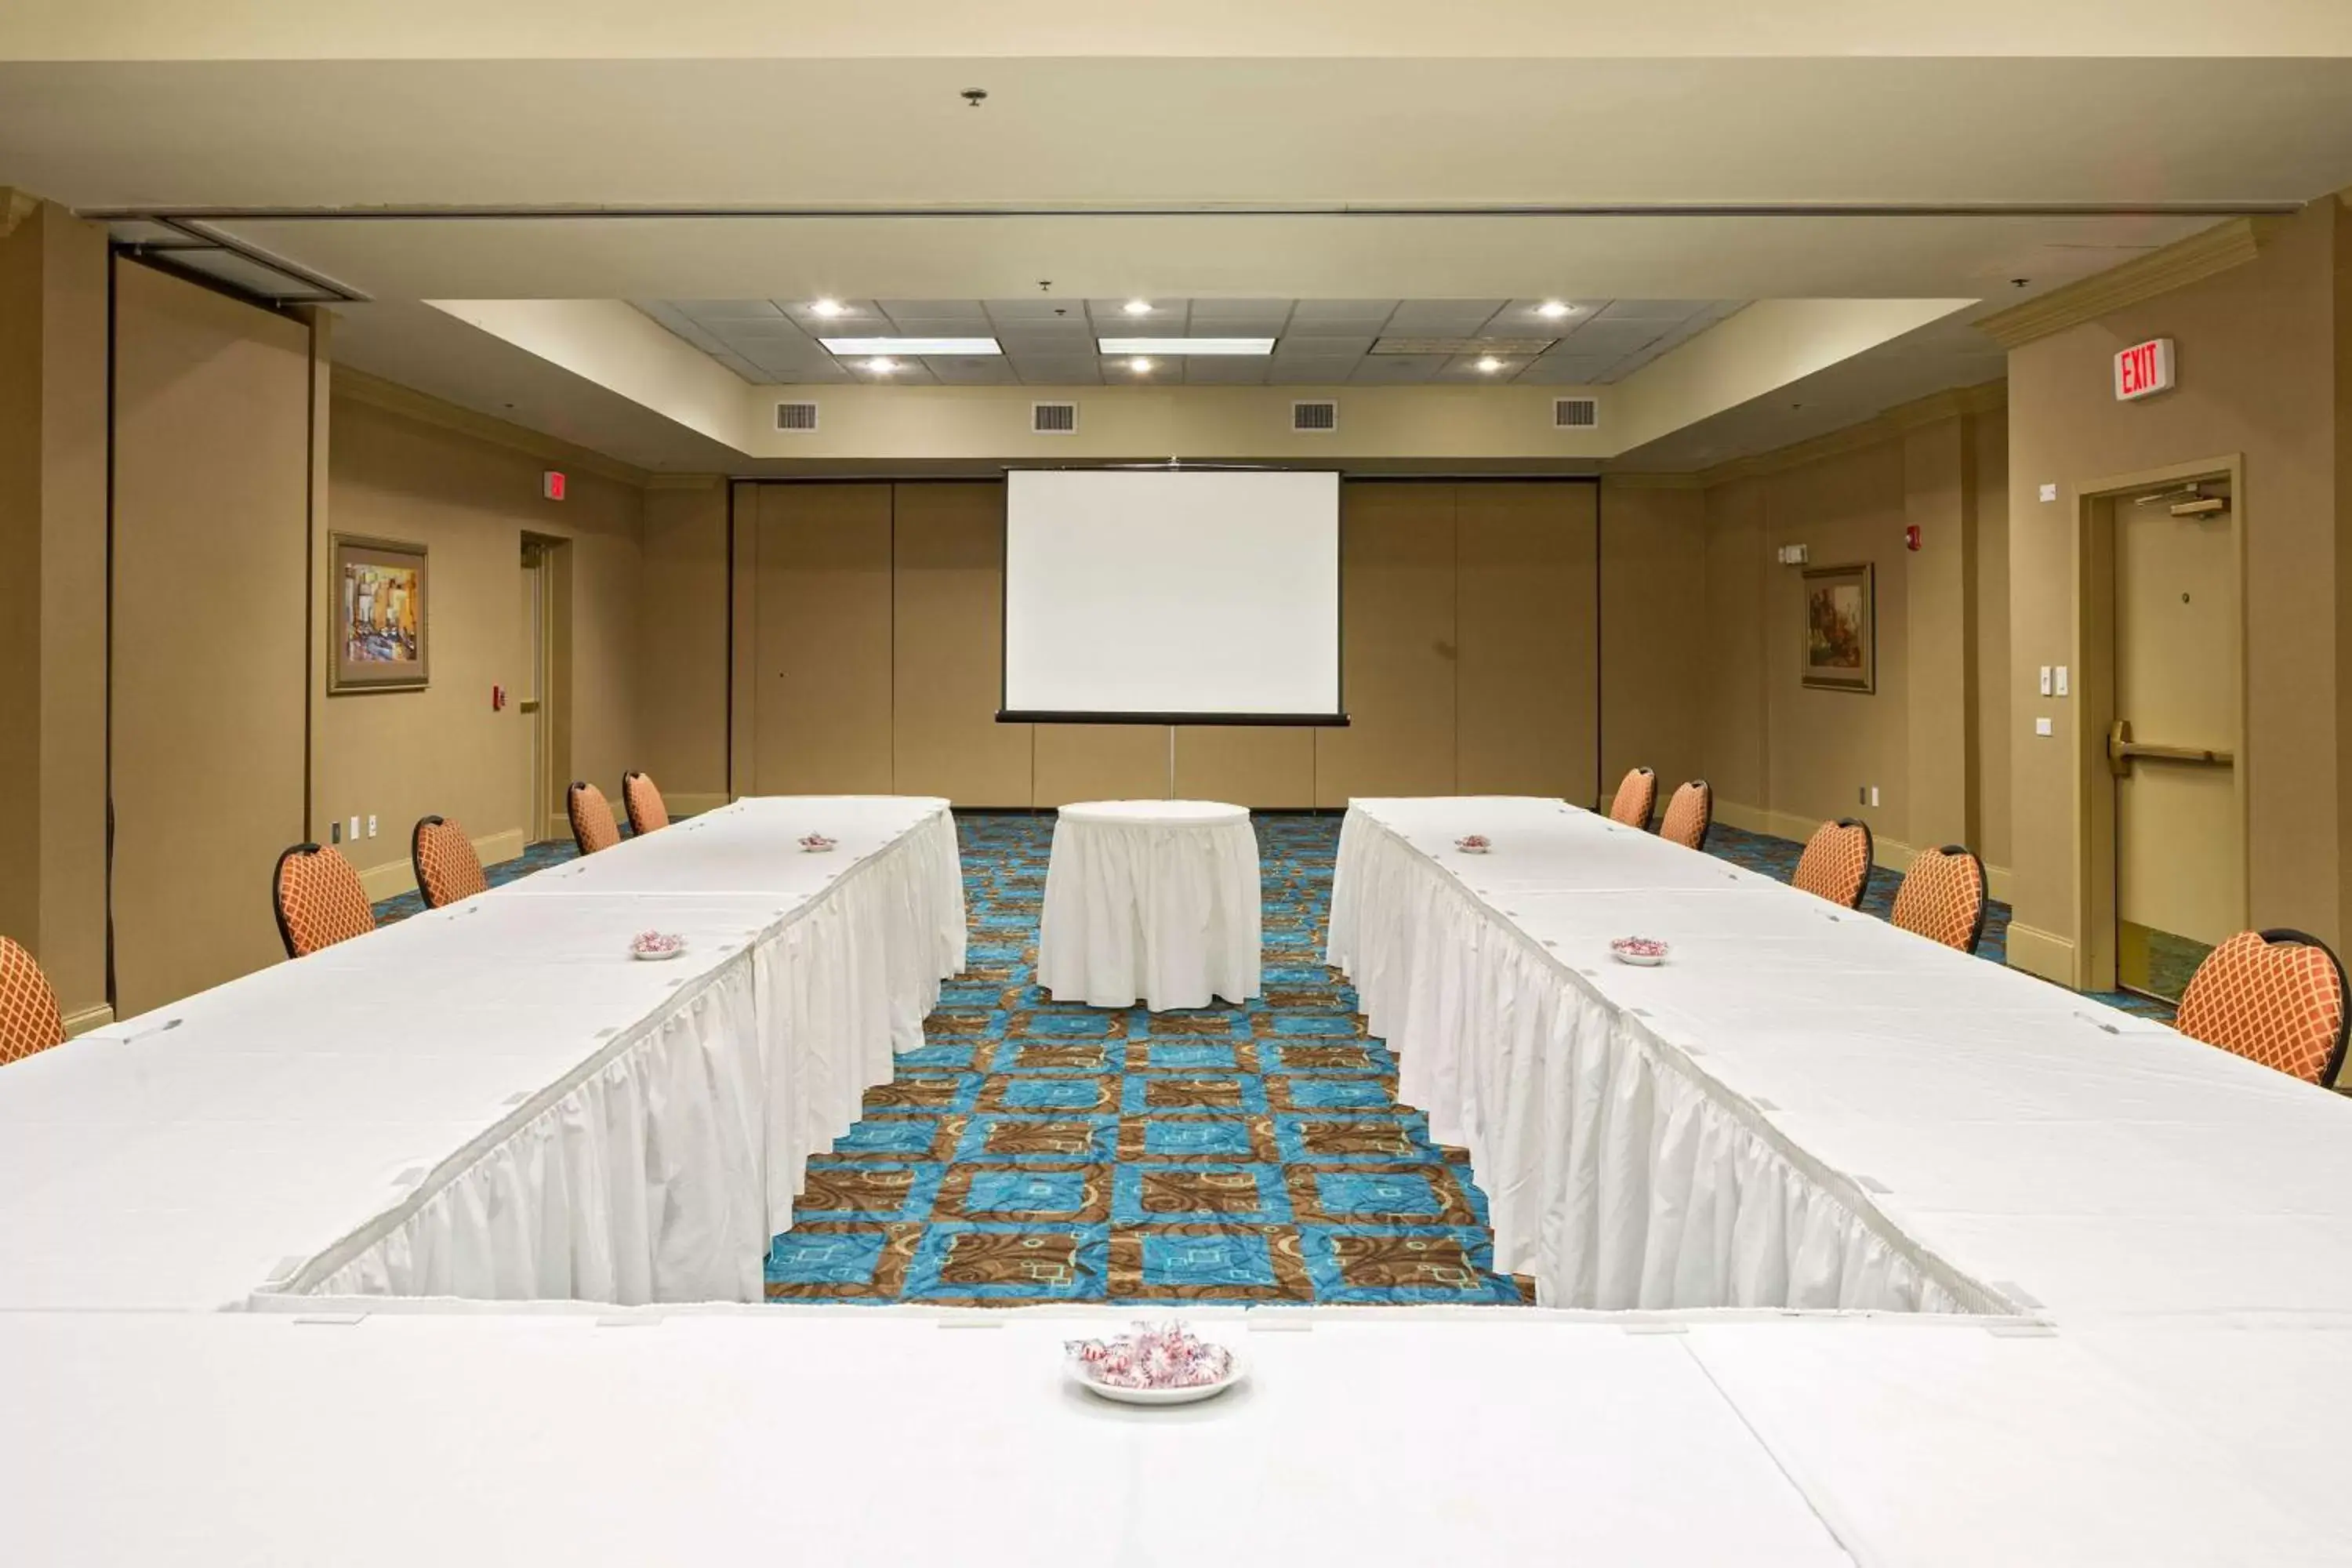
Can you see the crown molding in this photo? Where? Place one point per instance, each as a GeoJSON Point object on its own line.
{"type": "Point", "coordinates": [2177, 264]}
{"type": "Point", "coordinates": [1959, 403]}
{"type": "Point", "coordinates": [1652, 481]}
{"type": "Point", "coordinates": [16, 206]}
{"type": "Point", "coordinates": [426, 409]}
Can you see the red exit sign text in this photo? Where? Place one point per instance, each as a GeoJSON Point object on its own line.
{"type": "Point", "coordinates": [2144, 370]}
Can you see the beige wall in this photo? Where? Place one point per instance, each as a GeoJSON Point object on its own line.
{"type": "Point", "coordinates": [682, 692]}
{"type": "Point", "coordinates": [398, 755]}
{"type": "Point", "coordinates": [1654, 664]}
{"type": "Point", "coordinates": [1932, 737]}
{"type": "Point", "coordinates": [53, 545]}
{"type": "Point", "coordinates": [2259, 363]}
{"type": "Point", "coordinates": [211, 650]}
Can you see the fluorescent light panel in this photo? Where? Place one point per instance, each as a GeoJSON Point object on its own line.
{"type": "Point", "coordinates": [1186, 345]}
{"type": "Point", "coordinates": [917, 347]}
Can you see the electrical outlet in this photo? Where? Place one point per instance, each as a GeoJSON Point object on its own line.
{"type": "Point", "coordinates": [2042, 727]}
{"type": "Point", "coordinates": [353, 832]}
{"type": "Point", "coordinates": [371, 824]}
{"type": "Point", "coordinates": [2060, 690]}
{"type": "Point", "coordinates": [1874, 795]}
{"type": "Point", "coordinates": [2045, 680]}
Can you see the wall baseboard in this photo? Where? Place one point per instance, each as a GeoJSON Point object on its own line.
{"type": "Point", "coordinates": [88, 1018]}
{"type": "Point", "coordinates": [2042, 953]}
{"type": "Point", "coordinates": [395, 877]}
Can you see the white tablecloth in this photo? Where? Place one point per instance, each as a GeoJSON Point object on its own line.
{"type": "Point", "coordinates": [493, 1100]}
{"type": "Point", "coordinates": [1806, 1107]}
{"type": "Point", "coordinates": [1152, 900]}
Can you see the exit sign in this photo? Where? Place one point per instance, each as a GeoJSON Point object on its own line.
{"type": "Point", "coordinates": [550, 484]}
{"type": "Point", "coordinates": [2144, 370]}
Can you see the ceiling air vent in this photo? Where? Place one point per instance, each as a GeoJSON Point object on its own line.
{"type": "Point", "coordinates": [1053, 418]}
{"type": "Point", "coordinates": [1575, 413]}
{"type": "Point", "coordinates": [795, 416]}
{"type": "Point", "coordinates": [1319, 415]}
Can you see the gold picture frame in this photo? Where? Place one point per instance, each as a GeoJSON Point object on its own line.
{"type": "Point", "coordinates": [1840, 629]}
{"type": "Point", "coordinates": [378, 625]}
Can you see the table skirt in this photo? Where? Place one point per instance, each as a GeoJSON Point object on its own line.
{"type": "Point", "coordinates": [1165, 915]}
{"type": "Point", "coordinates": [660, 1170]}
{"type": "Point", "coordinates": [1617, 1173]}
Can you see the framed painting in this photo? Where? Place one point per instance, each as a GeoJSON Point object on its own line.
{"type": "Point", "coordinates": [377, 634]}
{"type": "Point", "coordinates": [1840, 629]}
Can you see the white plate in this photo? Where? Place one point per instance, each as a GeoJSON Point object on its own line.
{"type": "Point", "coordinates": [677, 952]}
{"type": "Point", "coordinates": [1238, 1370]}
{"type": "Point", "coordinates": [1480, 849]}
{"type": "Point", "coordinates": [1638, 959]}
{"type": "Point", "coordinates": [817, 848]}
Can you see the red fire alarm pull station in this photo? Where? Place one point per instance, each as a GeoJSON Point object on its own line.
{"type": "Point", "coordinates": [498, 698]}
{"type": "Point", "coordinates": [1910, 536]}
{"type": "Point", "coordinates": [550, 484]}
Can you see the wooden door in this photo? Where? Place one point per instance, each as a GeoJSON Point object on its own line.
{"type": "Point", "coordinates": [948, 668]}
{"type": "Point", "coordinates": [1525, 577]}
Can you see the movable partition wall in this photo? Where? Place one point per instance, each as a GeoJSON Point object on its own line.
{"type": "Point", "coordinates": [868, 654]}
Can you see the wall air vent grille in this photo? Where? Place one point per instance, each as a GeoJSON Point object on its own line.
{"type": "Point", "coordinates": [795, 416]}
{"type": "Point", "coordinates": [1316, 416]}
{"type": "Point", "coordinates": [1053, 418]}
{"type": "Point", "coordinates": [1575, 413]}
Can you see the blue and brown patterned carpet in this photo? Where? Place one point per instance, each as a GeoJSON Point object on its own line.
{"type": "Point", "coordinates": [1037, 1152]}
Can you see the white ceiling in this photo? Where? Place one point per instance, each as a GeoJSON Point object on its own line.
{"type": "Point", "coordinates": [1049, 342]}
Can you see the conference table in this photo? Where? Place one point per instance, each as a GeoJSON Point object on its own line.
{"type": "Point", "coordinates": [494, 1099]}
{"type": "Point", "coordinates": [1805, 1107]}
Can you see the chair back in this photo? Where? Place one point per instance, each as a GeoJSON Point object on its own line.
{"type": "Point", "coordinates": [448, 868]}
{"type": "Point", "coordinates": [1637, 796]}
{"type": "Point", "coordinates": [593, 827]}
{"type": "Point", "coordinates": [1689, 814]}
{"type": "Point", "coordinates": [319, 899]}
{"type": "Point", "coordinates": [29, 1020]}
{"type": "Point", "coordinates": [2277, 997]}
{"type": "Point", "coordinates": [1943, 897]}
{"type": "Point", "coordinates": [643, 802]}
{"type": "Point", "coordinates": [1836, 862]}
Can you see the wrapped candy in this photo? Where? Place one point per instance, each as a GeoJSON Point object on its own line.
{"type": "Point", "coordinates": [1156, 1355]}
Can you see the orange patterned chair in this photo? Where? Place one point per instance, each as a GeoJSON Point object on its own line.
{"type": "Point", "coordinates": [1943, 897]}
{"type": "Point", "coordinates": [1637, 796]}
{"type": "Point", "coordinates": [448, 868]}
{"type": "Point", "coordinates": [1836, 862]}
{"type": "Point", "coordinates": [29, 1009]}
{"type": "Point", "coordinates": [643, 802]}
{"type": "Point", "coordinates": [1689, 814]}
{"type": "Point", "coordinates": [320, 900]}
{"type": "Point", "coordinates": [2277, 997]}
{"type": "Point", "coordinates": [593, 827]}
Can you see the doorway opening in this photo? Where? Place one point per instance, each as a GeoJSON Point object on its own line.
{"type": "Point", "coordinates": [2163, 725]}
{"type": "Point", "coordinates": [539, 696]}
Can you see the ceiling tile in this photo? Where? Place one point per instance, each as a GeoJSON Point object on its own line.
{"type": "Point", "coordinates": [1057, 372]}
{"type": "Point", "coordinates": [1032, 308]}
{"type": "Point", "coordinates": [1340, 315]}
{"type": "Point", "coordinates": [1465, 367]}
{"type": "Point", "coordinates": [861, 316]}
{"type": "Point", "coordinates": [1398, 367]}
{"type": "Point", "coordinates": [1557, 369]}
{"type": "Point", "coordinates": [990, 370]}
{"type": "Point", "coordinates": [1613, 337]}
{"type": "Point", "coordinates": [1166, 317]}
{"type": "Point", "coordinates": [1439, 317]}
{"type": "Point", "coordinates": [1351, 345]}
{"type": "Point", "coordinates": [726, 309]}
{"type": "Point", "coordinates": [933, 309]}
{"type": "Point", "coordinates": [1213, 370]}
{"type": "Point", "coordinates": [1652, 310]}
{"type": "Point", "coordinates": [1524, 318]}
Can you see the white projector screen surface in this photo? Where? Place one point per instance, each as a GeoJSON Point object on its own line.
{"type": "Point", "coordinates": [1149, 597]}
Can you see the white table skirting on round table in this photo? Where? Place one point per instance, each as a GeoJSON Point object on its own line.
{"type": "Point", "coordinates": [1152, 900]}
{"type": "Point", "coordinates": [492, 1099]}
{"type": "Point", "coordinates": [1806, 1107]}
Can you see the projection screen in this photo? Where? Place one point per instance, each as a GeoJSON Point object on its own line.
{"type": "Point", "coordinates": [1164, 596]}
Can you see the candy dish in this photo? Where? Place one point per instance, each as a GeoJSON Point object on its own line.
{"type": "Point", "coordinates": [1473, 844]}
{"type": "Point", "coordinates": [1642, 950]}
{"type": "Point", "coordinates": [1158, 1364]}
{"type": "Point", "coordinates": [655, 945]}
{"type": "Point", "coordinates": [815, 843]}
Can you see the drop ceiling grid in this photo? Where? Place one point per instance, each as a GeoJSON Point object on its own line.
{"type": "Point", "coordinates": [1051, 341]}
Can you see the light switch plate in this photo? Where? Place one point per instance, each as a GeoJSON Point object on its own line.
{"type": "Point", "coordinates": [2045, 680]}
{"type": "Point", "coordinates": [371, 824]}
{"type": "Point", "coordinates": [2042, 727]}
{"type": "Point", "coordinates": [2062, 681]}
{"type": "Point", "coordinates": [353, 832]}
{"type": "Point", "coordinates": [1874, 795]}
{"type": "Point", "coordinates": [2049, 492]}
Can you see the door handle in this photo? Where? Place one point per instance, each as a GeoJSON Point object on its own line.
{"type": "Point", "coordinates": [2122, 749]}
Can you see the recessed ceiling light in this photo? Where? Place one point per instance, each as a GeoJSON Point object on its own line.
{"type": "Point", "coordinates": [960, 347]}
{"type": "Point", "coordinates": [1138, 364]}
{"type": "Point", "coordinates": [882, 366]}
{"type": "Point", "coordinates": [1116, 346]}
{"type": "Point", "coordinates": [1490, 364]}
{"type": "Point", "coordinates": [1138, 307]}
{"type": "Point", "coordinates": [1554, 308]}
{"type": "Point", "coordinates": [827, 308]}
